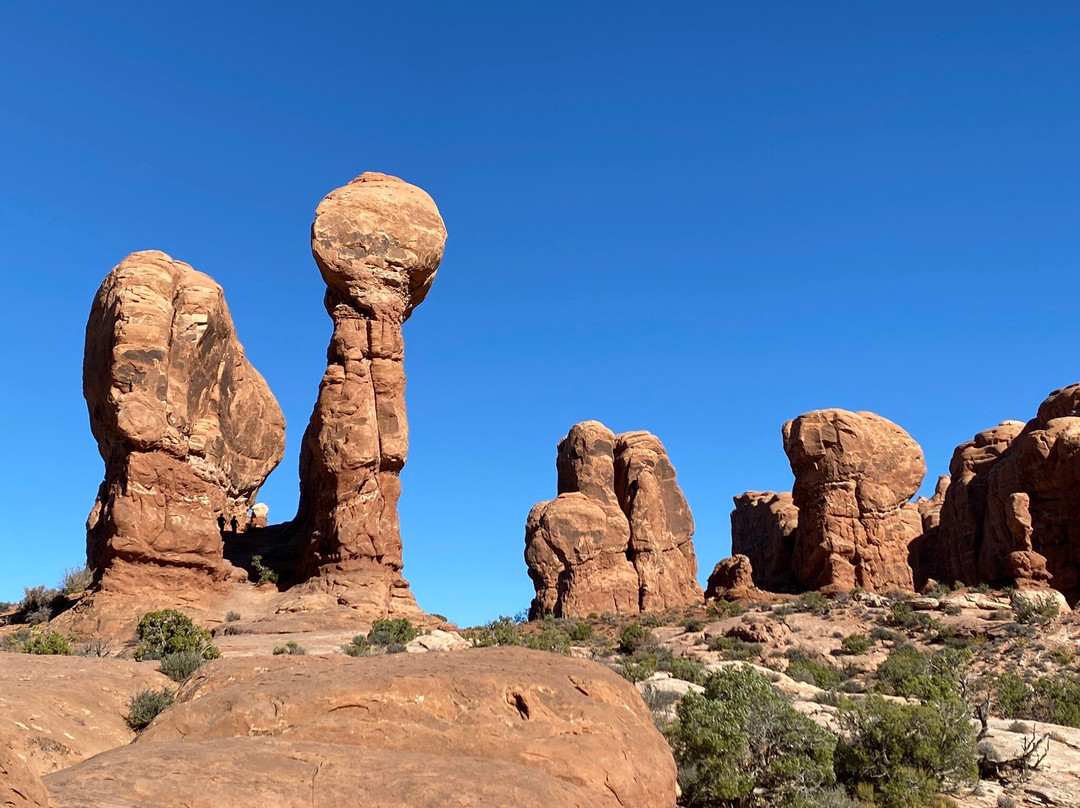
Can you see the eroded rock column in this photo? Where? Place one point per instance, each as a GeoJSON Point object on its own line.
{"type": "Point", "coordinates": [187, 428]}
{"type": "Point", "coordinates": [378, 242]}
{"type": "Point", "coordinates": [855, 474]}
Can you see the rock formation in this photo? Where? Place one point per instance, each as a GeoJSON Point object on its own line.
{"type": "Point", "coordinates": [619, 535]}
{"type": "Point", "coordinates": [963, 513]}
{"type": "Point", "coordinates": [485, 727]}
{"type": "Point", "coordinates": [187, 428]}
{"type": "Point", "coordinates": [377, 242]}
{"type": "Point", "coordinates": [763, 527]}
{"type": "Point", "coordinates": [854, 476]}
{"type": "Point", "coordinates": [731, 579]}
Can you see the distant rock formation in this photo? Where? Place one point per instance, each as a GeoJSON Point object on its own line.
{"type": "Point", "coordinates": [855, 474]}
{"type": "Point", "coordinates": [619, 535]}
{"type": "Point", "coordinates": [187, 428]}
{"type": "Point", "coordinates": [731, 579]}
{"type": "Point", "coordinates": [963, 513]}
{"type": "Point", "coordinates": [377, 242]}
{"type": "Point", "coordinates": [763, 527]}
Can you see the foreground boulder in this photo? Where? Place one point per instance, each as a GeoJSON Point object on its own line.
{"type": "Point", "coordinates": [763, 528]}
{"type": "Point", "coordinates": [377, 242]}
{"type": "Point", "coordinates": [855, 474]}
{"type": "Point", "coordinates": [486, 727]}
{"type": "Point", "coordinates": [20, 787]}
{"type": "Point", "coordinates": [187, 428]}
{"type": "Point", "coordinates": [619, 536]}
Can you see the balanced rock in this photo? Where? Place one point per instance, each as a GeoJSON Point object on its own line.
{"type": "Point", "coordinates": [763, 527]}
{"type": "Point", "coordinates": [855, 474]}
{"type": "Point", "coordinates": [731, 579]}
{"type": "Point", "coordinates": [187, 428]}
{"type": "Point", "coordinates": [485, 727]}
{"type": "Point", "coordinates": [619, 535]}
{"type": "Point", "coordinates": [377, 242]}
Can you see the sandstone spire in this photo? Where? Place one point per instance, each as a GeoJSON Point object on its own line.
{"type": "Point", "coordinates": [377, 242]}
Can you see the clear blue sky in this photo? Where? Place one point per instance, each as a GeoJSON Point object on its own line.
{"type": "Point", "coordinates": [699, 219]}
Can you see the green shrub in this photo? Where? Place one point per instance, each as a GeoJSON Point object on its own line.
{"type": "Point", "coordinates": [232, 617]}
{"type": "Point", "coordinates": [724, 608]}
{"type": "Point", "coordinates": [983, 588]}
{"type": "Point", "coordinates": [1062, 655]}
{"type": "Point", "coordinates": [909, 672]}
{"type": "Point", "coordinates": [551, 637]}
{"type": "Point", "coordinates": [879, 634]}
{"type": "Point", "coordinates": [631, 637]}
{"type": "Point", "coordinates": [1031, 606]}
{"type": "Point", "coordinates": [291, 648]}
{"type": "Point", "coordinates": [358, 647]}
{"type": "Point", "coordinates": [395, 631]}
{"type": "Point", "coordinates": [169, 631]}
{"type": "Point", "coordinates": [650, 621]}
{"type": "Point", "coordinates": [735, 649]}
{"type": "Point", "coordinates": [1012, 695]}
{"type": "Point", "coordinates": [263, 573]}
{"type": "Point", "coordinates": [900, 755]}
{"type": "Point", "coordinates": [580, 631]}
{"type": "Point", "coordinates": [693, 625]}
{"type": "Point", "coordinates": [179, 665]}
{"type": "Point", "coordinates": [145, 706]}
{"type": "Point", "coordinates": [742, 743]}
{"type": "Point", "coordinates": [1056, 701]}
{"type": "Point", "coordinates": [503, 631]}
{"type": "Point", "coordinates": [49, 643]}
{"type": "Point", "coordinates": [856, 644]}
{"type": "Point", "coordinates": [813, 602]}
{"type": "Point", "coordinates": [803, 667]}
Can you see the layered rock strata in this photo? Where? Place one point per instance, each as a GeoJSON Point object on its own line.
{"type": "Point", "coordinates": [855, 474]}
{"type": "Point", "coordinates": [619, 535]}
{"type": "Point", "coordinates": [763, 528]}
{"type": "Point", "coordinates": [187, 428]}
{"type": "Point", "coordinates": [377, 242]}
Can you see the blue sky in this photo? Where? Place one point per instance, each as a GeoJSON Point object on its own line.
{"type": "Point", "coordinates": [700, 219]}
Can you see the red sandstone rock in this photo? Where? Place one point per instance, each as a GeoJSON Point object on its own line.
{"type": "Point", "coordinates": [763, 527]}
{"type": "Point", "coordinates": [378, 242]}
{"type": "Point", "coordinates": [854, 476]}
{"type": "Point", "coordinates": [485, 727]}
{"type": "Point", "coordinates": [963, 512]}
{"type": "Point", "coordinates": [187, 428]}
{"type": "Point", "coordinates": [731, 579]}
{"type": "Point", "coordinates": [19, 786]}
{"type": "Point", "coordinates": [619, 536]}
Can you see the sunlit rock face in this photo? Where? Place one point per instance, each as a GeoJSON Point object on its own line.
{"type": "Point", "coordinates": [377, 242]}
{"type": "Point", "coordinates": [187, 428]}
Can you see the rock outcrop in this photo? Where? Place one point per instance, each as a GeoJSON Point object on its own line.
{"type": "Point", "coordinates": [731, 579]}
{"type": "Point", "coordinates": [619, 535]}
{"type": "Point", "coordinates": [187, 428]}
{"type": "Point", "coordinates": [20, 787]}
{"type": "Point", "coordinates": [497, 726]}
{"type": "Point", "coordinates": [855, 474]}
{"type": "Point", "coordinates": [963, 513]}
{"type": "Point", "coordinates": [377, 242]}
{"type": "Point", "coordinates": [763, 527]}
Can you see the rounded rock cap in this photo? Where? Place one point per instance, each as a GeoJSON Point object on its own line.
{"type": "Point", "coordinates": [378, 242]}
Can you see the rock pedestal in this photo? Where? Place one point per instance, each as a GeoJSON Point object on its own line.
{"type": "Point", "coordinates": [187, 428]}
{"type": "Point", "coordinates": [854, 476]}
{"type": "Point", "coordinates": [377, 242]}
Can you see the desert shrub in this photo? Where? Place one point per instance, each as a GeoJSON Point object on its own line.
{"type": "Point", "coordinates": [395, 631]}
{"type": "Point", "coordinates": [900, 755]}
{"type": "Point", "coordinates": [803, 667]}
{"type": "Point", "coordinates": [631, 636]}
{"type": "Point", "coordinates": [1029, 607]}
{"type": "Point", "coordinates": [651, 621]}
{"type": "Point", "coordinates": [232, 617]}
{"type": "Point", "coordinates": [880, 634]}
{"type": "Point", "coordinates": [1011, 694]}
{"type": "Point", "coordinates": [1062, 655]}
{"type": "Point", "coordinates": [724, 608]}
{"type": "Point", "coordinates": [263, 573]}
{"type": "Point", "coordinates": [358, 647]}
{"type": "Point", "coordinates": [169, 631]}
{"type": "Point", "coordinates": [145, 706]}
{"type": "Point", "coordinates": [15, 641]}
{"type": "Point", "coordinates": [735, 648]}
{"type": "Point", "coordinates": [48, 642]}
{"type": "Point", "coordinates": [904, 616]}
{"type": "Point", "coordinates": [813, 602]}
{"type": "Point", "coordinates": [76, 580]}
{"type": "Point", "coordinates": [551, 637]}
{"type": "Point", "coordinates": [503, 631]}
{"type": "Point", "coordinates": [94, 648]}
{"type": "Point", "coordinates": [580, 631]}
{"type": "Point", "coordinates": [291, 648]}
{"type": "Point", "coordinates": [952, 609]}
{"type": "Point", "coordinates": [395, 648]}
{"type": "Point", "coordinates": [742, 743]}
{"type": "Point", "coordinates": [982, 588]}
{"type": "Point", "coordinates": [909, 672]}
{"type": "Point", "coordinates": [1055, 701]}
{"type": "Point", "coordinates": [856, 644]}
{"type": "Point", "coordinates": [693, 625]}
{"type": "Point", "coordinates": [179, 665]}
